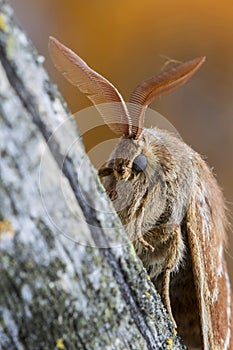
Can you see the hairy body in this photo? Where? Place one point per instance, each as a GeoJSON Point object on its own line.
{"type": "Point", "coordinates": [156, 205]}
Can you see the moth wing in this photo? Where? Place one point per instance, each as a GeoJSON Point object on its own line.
{"type": "Point", "coordinates": [206, 236]}
{"type": "Point", "coordinates": [99, 90]}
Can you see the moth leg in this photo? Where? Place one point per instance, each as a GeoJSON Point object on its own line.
{"type": "Point", "coordinates": [170, 264]}
{"type": "Point", "coordinates": [146, 244]}
{"type": "Point", "coordinates": [165, 293]}
{"type": "Point", "coordinates": [139, 215]}
{"type": "Point", "coordinates": [105, 171]}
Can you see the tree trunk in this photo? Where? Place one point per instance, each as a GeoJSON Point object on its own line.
{"type": "Point", "coordinates": [69, 277]}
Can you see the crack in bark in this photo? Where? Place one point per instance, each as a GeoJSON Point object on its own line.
{"type": "Point", "coordinates": [30, 105]}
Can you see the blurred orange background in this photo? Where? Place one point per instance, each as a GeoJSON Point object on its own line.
{"type": "Point", "coordinates": [127, 41]}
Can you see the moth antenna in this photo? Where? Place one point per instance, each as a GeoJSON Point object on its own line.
{"type": "Point", "coordinates": [157, 86]}
{"type": "Point", "coordinates": [99, 90]}
{"type": "Point", "coordinates": [169, 62]}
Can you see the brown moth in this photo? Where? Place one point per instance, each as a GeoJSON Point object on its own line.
{"type": "Point", "coordinates": [168, 200]}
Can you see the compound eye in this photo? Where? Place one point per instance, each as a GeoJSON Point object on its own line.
{"type": "Point", "coordinates": [139, 163]}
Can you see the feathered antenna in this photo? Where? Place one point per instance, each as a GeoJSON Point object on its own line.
{"type": "Point", "coordinates": [157, 86]}
{"type": "Point", "coordinates": [99, 90]}
{"type": "Point", "coordinates": [107, 98]}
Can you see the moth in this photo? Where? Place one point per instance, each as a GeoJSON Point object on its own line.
{"type": "Point", "coordinates": [168, 200]}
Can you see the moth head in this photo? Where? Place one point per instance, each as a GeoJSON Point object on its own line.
{"type": "Point", "coordinates": [129, 161]}
{"type": "Point", "coordinates": [147, 160]}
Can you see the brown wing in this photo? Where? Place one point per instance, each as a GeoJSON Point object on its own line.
{"type": "Point", "coordinates": [99, 90]}
{"type": "Point", "coordinates": [157, 86]}
{"type": "Point", "coordinates": [206, 235]}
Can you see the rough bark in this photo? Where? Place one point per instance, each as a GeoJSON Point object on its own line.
{"type": "Point", "coordinates": [69, 278]}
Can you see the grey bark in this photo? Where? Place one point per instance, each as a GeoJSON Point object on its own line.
{"type": "Point", "coordinates": [69, 278]}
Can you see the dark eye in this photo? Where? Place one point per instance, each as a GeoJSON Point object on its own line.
{"type": "Point", "coordinates": [139, 163]}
